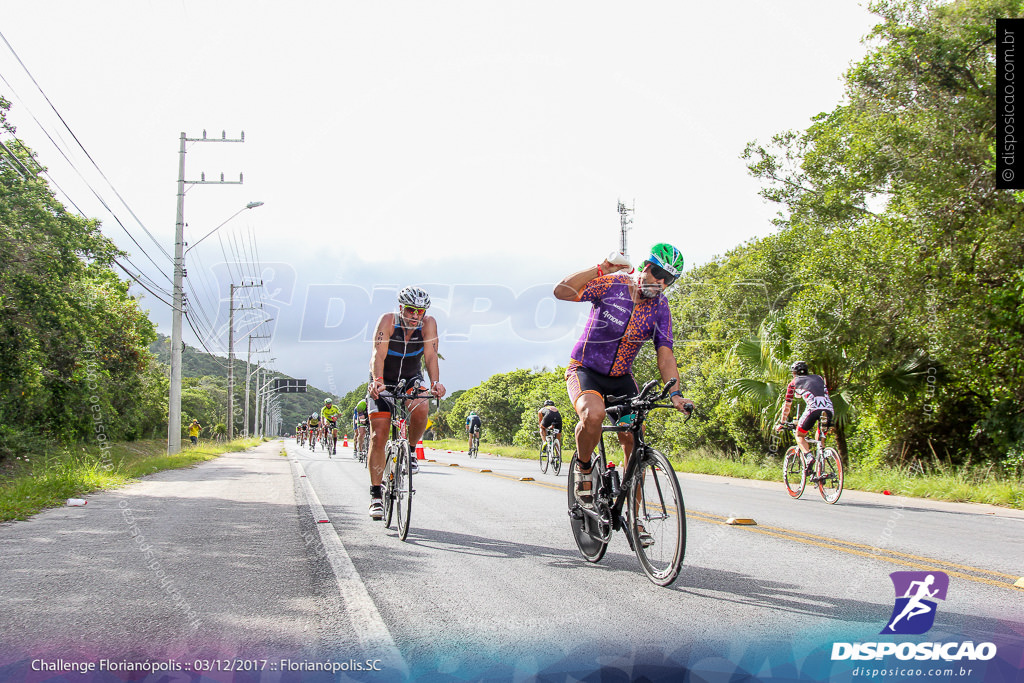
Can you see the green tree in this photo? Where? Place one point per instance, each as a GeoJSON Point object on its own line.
{"type": "Point", "coordinates": [895, 191]}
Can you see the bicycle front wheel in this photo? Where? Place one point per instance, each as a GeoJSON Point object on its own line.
{"type": "Point", "coordinates": [556, 457]}
{"type": "Point", "coordinates": [389, 484]}
{"type": "Point", "coordinates": [544, 458]}
{"type": "Point", "coordinates": [591, 548]}
{"type": "Point", "coordinates": [403, 489]}
{"type": "Point", "coordinates": [657, 519]}
{"type": "Point", "coordinates": [793, 472]}
{"type": "Point", "coordinates": [830, 476]}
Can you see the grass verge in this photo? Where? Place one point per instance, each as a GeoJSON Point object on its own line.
{"type": "Point", "coordinates": [47, 479]}
{"type": "Point", "coordinates": [973, 485]}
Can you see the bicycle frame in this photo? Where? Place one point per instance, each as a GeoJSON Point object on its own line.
{"type": "Point", "coordinates": [638, 453]}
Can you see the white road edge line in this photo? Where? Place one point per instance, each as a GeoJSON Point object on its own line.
{"type": "Point", "coordinates": [367, 623]}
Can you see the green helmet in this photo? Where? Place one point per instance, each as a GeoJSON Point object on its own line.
{"type": "Point", "coordinates": [361, 406]}
{"type": "Point", "coordinates": [667, 258]}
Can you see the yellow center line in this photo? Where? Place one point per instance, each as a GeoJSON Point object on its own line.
{"type": "Point", "coordinates": [833, 541]}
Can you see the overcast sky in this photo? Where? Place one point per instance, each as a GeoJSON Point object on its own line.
{"type": "Point", "coordinates": [475, 148]}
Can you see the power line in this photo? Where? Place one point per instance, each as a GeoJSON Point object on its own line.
{"type": "Point", "coordinates": [82, 147]}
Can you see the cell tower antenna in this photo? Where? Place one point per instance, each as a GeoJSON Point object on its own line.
{"type": "Point", "coordinates": [625, 225]}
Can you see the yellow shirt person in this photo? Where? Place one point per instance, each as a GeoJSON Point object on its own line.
{"type": "Point", "coordinates": [193, 432]}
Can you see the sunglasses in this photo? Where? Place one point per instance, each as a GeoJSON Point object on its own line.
{"type": "Point", "coordinates": [413, 309]}
{"type": "Point", "coordinates": [659, 273]}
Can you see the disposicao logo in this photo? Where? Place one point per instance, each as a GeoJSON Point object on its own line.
{"type": "Point", "coordinates": [916, 592]}
{"type": "Point", "coordinates": [914, 614]}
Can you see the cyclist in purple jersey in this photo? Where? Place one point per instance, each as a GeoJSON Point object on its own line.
{"type": "Point", "coordinates": [626, 311]}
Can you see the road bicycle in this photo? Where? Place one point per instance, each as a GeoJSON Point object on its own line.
{"type": "Point", "coordinates": [313, 438]}
{"type": "Point", "coordinates": [331, 439]}
{"type": "Point", "coordinates": [397, 480]}
{"type": "Point", "coordinates": [474, 443]}
{"type": "Point", "coordinates": [648, 502]}
{"type": "Point", "coordinates": [551, 452]}
{"type": "Point", "coordinates": [825, 471]}
{"type": "Point", "coordinates": [359, 452]}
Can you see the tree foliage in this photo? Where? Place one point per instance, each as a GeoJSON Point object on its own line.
{"type": "Point", "coordinates": [73, 342]}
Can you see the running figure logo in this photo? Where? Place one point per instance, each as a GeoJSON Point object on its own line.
{"type": "Point", "coordinates": [914, 612]}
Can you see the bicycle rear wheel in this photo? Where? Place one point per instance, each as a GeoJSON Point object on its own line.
{"type": "Point", "coordinates": [591, 548]}
{"type": "Point", "coordinates": [403, 489]}
{"type": "Point", "coordinates": [830, 476]}
{"type": "Point", "coordinates": [389, 484]}
{"type": "Point", "coordinates": [793, 472]}
{"type": "Point", "coordinates": [556, 457]}
{"type": "Point", "coordinates": [544, 458]}
{"type": "Point", "coordinates": [657, 519]}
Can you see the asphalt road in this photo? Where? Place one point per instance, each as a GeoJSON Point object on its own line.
{"type": "Point", "coordinates": [256, 556]}
{"type": "Point", "coordinates": [489, 572]}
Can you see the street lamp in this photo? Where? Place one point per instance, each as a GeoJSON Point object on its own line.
{"type": "Point", "coordinates": [174, 397]}
{"type": "Point", "coordinates": [250, 205]}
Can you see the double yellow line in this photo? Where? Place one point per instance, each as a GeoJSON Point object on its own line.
{"type": "Point", "coordinates": [967, 572]}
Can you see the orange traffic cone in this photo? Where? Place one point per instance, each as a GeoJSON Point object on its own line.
{"type": "Point", "coordinates": [344, 444]}
{"type": "Point", "coordinates": [420, 455]}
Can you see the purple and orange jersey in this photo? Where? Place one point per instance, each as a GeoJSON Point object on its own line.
{"type": "Point", "coordinates": [617, 327]}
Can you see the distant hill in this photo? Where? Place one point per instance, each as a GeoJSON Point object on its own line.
{"type": "Point", "coordinates": [196, 363]}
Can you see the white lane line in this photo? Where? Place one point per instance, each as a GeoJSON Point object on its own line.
{"type": "Point", "coordinates": [367, 623]}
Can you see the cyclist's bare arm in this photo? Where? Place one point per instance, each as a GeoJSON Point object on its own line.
{"type": "Point", "coordinates": [430, 355]}
{"type": "Point", "coordinates": [381, 339]}
{"type": "Point", "coordinates": [669, 370]}
{"type": "Point", "coordinates": [569, 288]}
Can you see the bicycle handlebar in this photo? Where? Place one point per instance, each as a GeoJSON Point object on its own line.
{"type": "Point", "coordinates": [398, 393]}
{"type": "Point", "coordinates": [620, 405]}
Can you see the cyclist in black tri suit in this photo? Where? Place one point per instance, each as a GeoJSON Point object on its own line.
{"type": "Point", "coordinates": [547, 417]}
{"type": "Point", "coordinates": [473, 424]}
{"type": "Point", "coordinates": [812, 389]}
{"type": "Point", "coordinates": [403, 344]}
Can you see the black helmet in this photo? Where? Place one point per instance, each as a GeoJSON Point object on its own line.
{"type": "Point", "coordinates": [799, 367]}
{"type": "Point", "coordinates": [549, 402]}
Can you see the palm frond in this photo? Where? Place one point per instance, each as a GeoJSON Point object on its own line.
{"type": "Point", "coordinates": [759, 393]}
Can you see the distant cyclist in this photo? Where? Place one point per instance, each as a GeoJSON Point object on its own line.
{"type": "Point", "coordinates": [314, 429]}
{"type": "Point", "coordinates": [814, 392]}
{"type": "Point", "coordinates": [548, 417]}
{"type": "Point", "coordinates": [360, 420]}
{"type": "Point", "coordinates": [329, 416]}
{"type": "Point", "coordinates": [473, 425]}
{"type": "Point", "coordinates": [403, 344]}
{"type": "Point", "coordinates": [626, 310]}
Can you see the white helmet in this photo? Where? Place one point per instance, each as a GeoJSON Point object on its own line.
{"type": "Point", "coordinates": [415, 297]}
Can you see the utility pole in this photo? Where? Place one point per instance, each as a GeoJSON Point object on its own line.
{"type": "Point", "coordinates": [174, 397]}
{"type": "Point", "coordinates": [625, 224]}
{"type": "Point", "coordinates": [231, 355]}
{"type": "Point", "coordinates": [248, 375]}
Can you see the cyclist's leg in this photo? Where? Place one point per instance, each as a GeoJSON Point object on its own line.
{"type": "Point", "coordinates": [418, 413]}
{"type": "Point", "coordinates": [380, 425]}
{"type": "Point", "coordinates": [806, 424]}
{"type": "Point", "coordinates": [590, 408]}
{"type": "Point", "coordinates": [626, 441]}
